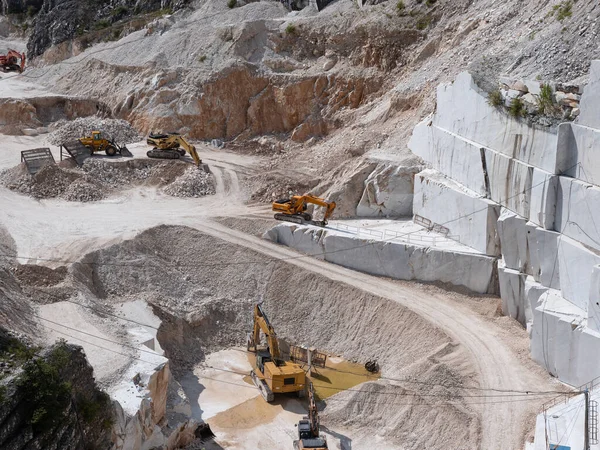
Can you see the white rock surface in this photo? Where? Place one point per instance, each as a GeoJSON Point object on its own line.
{"type": "Point", "coordinates": [576, 265]}
{"type": "Point", "coordinates": [463, 109]}
{"type": "Point", "coordinates": [512, 291]}
{"type": "Point", "coordinates": [513, 234]}
{"type": "Point", "coordinates": [396, 260]}
{"type": "Point", "coordinates": [577, 211]}
{"type": "Point", "coordinates": [388, 192]}
{"type": "Point", "coordinates": [438, 199]}
{"type": "Point", "coordinates": [590, 114]}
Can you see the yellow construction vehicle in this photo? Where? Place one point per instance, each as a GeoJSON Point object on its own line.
{"type": "Point", "coordinates": [99, 143]}
{"type": "Point", "coordinates": [294, 209]}
{"type": "Point", "coordinates": [272, 375]}
{"type": "Point", "coordinates": [308, 427]}
{"type": "Point", "coordinates": [172, 146]}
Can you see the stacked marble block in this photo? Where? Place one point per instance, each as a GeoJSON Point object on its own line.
{"type": "Point", "coordinates": [528, 195]}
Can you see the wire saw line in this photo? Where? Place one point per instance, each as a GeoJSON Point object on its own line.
{"type": "Point", "coordinates": [263, 261]}
{"type": "Point", "coordinates": [445, 401]}
{"type": "Point", "coordinates": [399, 380]}
{"type": "Point", "coordinates": [523, 393]}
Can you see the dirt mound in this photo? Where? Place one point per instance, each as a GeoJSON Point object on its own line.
{"type": "Point", "coordinates": [193, 183]}
{"type": "Point", "coordinates": [83, 191]}
{"type": "Point", "coordinates": [39, 275]}
{"type": "Point", "coordinates": [206, 307]}
{"type": "Point", "coordinates": [50, 182]}
{"type": "Point", "coordinates": [97, 179]}
{"type": "Point", "coordinates": [119, 130]}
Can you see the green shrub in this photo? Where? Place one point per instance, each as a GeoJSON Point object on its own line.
{"type": "Point", "coordinates": [545, 100]}
{"type": "Point", "coordinates": [89, 409]}
{"type": "Point", "coordinates": [423, 22]}
{"type": "Point", "coordinates": [101, 24]}
{"type": "Point", "coordinates": [119, 11]}
{"type": "Point", "coordinates": [563, 10]}
{"type": "Point", "coordinates": [290, 29]}
{"type": "Point", "coordinates": [44, 389]}
{"type": "Point", "coordinates": [202, 58]}
{"type": "Point", "coordinates": [232, 4]}
{"type": "Point", "coordinates": [495, 98]}
{"type": "Point", "coordinates": [430, 3]}
{"type": "Point", "coordinates": [400, 7]}
{"type": "Point", "coordinates": [517, 108]}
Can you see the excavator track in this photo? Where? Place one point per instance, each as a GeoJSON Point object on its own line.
{"type": "Point", "coordinates": [262, 387]}
{"type": "Point", "coordinates": [163, 154]}
{"type": "Point", "coordinates": [298, 219]}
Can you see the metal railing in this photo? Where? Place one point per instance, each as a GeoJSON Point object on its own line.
{"type": "Point", "coordinates": [590, 386]}
{"type": "Point", "coordinates": [386, 234]}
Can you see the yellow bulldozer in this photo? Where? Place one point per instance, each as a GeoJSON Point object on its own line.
{"type": "Point", "coordinates": [97, 143]}
{"type": "Point", "coordinates": [272, 375]}
{"type": "Point", "coordinates": [294, 209]}
{"type": "Point", "coordinates": [172, 146]}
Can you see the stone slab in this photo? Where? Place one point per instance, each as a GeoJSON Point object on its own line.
{"type": "Point", "coordinates": [388, 192]}
{"type": "Point", "coordinates": [450, 154]}
{"type": "Point", "coordinates": [590, 113]}
{"type": "Point", "coordinates": [395, 260]}
{"type": "Point", "coordinates": [463, 109]}
{"type": "Point", "coordinates": [512, 231]}
{"type": "Point", "coordinates": [577, 211]}
{"type": "Point", "coordinates": [439, 199]}
{"type": "Point", "coordinates": [579, 145]}
{"type": "Point", "coordinates": [576, 265]}
{"type": "Point", "coordinates": [512, 292]}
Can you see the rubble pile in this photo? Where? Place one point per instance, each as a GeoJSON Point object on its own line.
{"type": "Point", "coordinates": [118, 130]}
{"type": "Point", "coordinates": [193, 183]}
{"type": "Point", "coordinates": [97, 179]}
{"type": "Point", "coordinates": [82, 190]}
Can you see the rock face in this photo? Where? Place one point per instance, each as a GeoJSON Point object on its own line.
{"type": "Point", "coordinates": [544, 187]}
{"type": "Point", "coordinates": [19, 6]}
{"type": "Point", "coordinates": [17, 114]}
{"type": "Point", "coordinates": [61, 20]}
{"type": "Point", "coordinates": [388, 192]}
{"type": "Point", "coordinates": [54, 403]}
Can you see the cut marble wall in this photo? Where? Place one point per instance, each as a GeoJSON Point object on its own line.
{"type": "Point", "coordinates": [438, 199]}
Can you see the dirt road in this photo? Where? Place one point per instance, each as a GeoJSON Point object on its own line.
{"type": "Point", "coordinates": [60, 229]}
{"type": "Point", "coordinates": [495, 362]}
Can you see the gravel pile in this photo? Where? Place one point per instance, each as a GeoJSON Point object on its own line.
{"type": "Point", "coordinates": [50, 182]}
{"type": "Point", "coordinates": [84, 191]}
{"type": "Point", "coordinates": [193, 183]}
{"type": "Point", "coordinates": [97, 179]}
{"type": "Point", "coordinates": [119, 130]}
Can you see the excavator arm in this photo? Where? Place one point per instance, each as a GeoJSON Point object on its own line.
{"type": "Point", "coordinates": [261, 323]}
{"type": "Point", "coordinates": [190, 149]}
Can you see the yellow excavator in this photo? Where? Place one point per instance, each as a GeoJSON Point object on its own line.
{"type": "Point", "coordinates": [272, 374]}
{"type": "Point", "coordinates": [172, 146]}
{"type": "Point", "coordinates": [96, 142]}
{"type": "Point", "coordinates": [308, 427]}
{"type": "Point", "coordinates": [294, 209]}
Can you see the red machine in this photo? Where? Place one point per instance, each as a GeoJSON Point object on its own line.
{"type": "Point", "coordinates": [10, 61]}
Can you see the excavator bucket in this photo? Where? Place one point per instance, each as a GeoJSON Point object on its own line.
{"type": "Point", "coordinates": [125, 152]}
